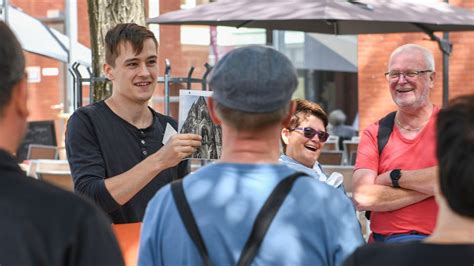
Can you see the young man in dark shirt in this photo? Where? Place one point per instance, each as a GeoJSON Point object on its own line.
{"type": "Point", "coordinates": [452, 241]}
{"type": "Point", "coordinates": [115, 147]}
{"type": "Point", "coordinates": [40, 224]}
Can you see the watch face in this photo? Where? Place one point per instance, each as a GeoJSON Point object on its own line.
{"type": "Point", "coordinates": [395, 176]}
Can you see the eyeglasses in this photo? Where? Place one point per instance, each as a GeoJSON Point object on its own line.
{"type": "Point", "coordinates": [310, 132]}
{"type": "Point", "coordinates": [393, 76]}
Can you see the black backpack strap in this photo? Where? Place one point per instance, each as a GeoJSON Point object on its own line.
{"type": "Point", "coordinates": [188, 219]}
{"type": "Point", "coordinates": [385, 129]}
{"type": "Point", "coordinates": [265, 217]}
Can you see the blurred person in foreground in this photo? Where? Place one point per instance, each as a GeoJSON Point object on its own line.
{"type": "Point", "coordinates": [252, 88]}
{"type": "Point", "coordinates": [452, 241]}
{"type": "Point", "coordinates": [40, 224]}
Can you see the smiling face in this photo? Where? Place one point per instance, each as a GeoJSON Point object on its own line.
{"type": "Point", "coordinates": [134, 75]}
{"type": "Point", "coordinates": [305, 151]}
{"type": "Point", "coordinates": [410, 92]}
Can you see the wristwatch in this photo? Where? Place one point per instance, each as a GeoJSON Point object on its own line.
{"type": "Point", "coordinates": [395, 175]}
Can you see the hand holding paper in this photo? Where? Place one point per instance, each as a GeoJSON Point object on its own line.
{"type": "Point", "coordinates": [176, 147]}
{"type": "Point", "coordinates": [169, 132]}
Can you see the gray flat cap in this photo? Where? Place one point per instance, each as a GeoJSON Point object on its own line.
{"type": "Point", "coordinates": [256, 79]}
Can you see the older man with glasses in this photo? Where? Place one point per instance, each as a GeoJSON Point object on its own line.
{"type": "Point", "coordinates": [396, 166]}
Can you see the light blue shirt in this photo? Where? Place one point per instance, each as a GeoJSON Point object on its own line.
{"type": "Point", "coordinates": [314, 226]}
{"type": "Point", "coordinates": [316, 171]}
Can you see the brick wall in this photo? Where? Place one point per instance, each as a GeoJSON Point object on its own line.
{"type": "Point", "coordinates": [44, 97]}
{"type": "Point", "coordinates": [181, 57]}
{"type": "Point", "coordinates": [45, 94]}
{"type": "Point", "coordinates": [373, 53]}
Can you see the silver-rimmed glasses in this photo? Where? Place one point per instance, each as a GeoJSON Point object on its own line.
{"type": "Point", "coordinates": [393, 76]}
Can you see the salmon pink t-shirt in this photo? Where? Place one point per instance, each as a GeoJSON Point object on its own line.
{"type": "Point", "coordinates": [405, 154]}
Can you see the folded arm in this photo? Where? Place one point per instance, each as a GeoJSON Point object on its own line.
{"type": "Point", "coordinates": [421, 180]}
{"type": "Point", "coordinates": [370, 196]}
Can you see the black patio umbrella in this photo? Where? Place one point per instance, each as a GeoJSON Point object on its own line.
{"type": "Point", "coordinates": [333, 17]}
{"type": "Point", "coordinates": [327, 16]}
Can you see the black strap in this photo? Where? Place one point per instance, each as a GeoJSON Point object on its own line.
{"type": "Point", "coordinates": [385, 129]}
{"type": "Point", "coordinates": [265, 217]}
{"type": "Point", "coordinates": [260, 227]}
{"type": "Point", "coordinates": [188, 219]}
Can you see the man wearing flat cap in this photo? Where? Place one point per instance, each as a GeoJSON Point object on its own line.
{"type": "Point", "coordinates": [227, 213]}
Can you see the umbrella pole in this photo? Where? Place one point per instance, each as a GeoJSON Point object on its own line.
{"type": "Point", "coordinates": [446, 68]}
{"type": "Point", "coordinates": [446, 47]}
{"type": "Point", "coordinates": [269, 37]}
{"type": "Point", "coordinates": [446, 53]}
{"type": "Point", "coordinates": [4, 9]}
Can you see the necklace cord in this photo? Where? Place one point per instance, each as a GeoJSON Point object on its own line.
{"type": "Point", "coordinates": [410, 129]}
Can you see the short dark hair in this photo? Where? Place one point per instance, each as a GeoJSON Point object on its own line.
{"type": "Point", "coordinates": [305, 108]}
{"type": "Point", "coordinates": [12, 64]}
{"type": "Point", "coordinates": [242, 120]}
{"type": "Point", "coordinates": [455, 153]}
{"type": "Point", "coordinates": [126, 32]}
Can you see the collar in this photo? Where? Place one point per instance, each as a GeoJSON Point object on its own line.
{"type": "Point", "coordinates": [8, 162]}
{"type": "Point", "coordinates": [287, 159]}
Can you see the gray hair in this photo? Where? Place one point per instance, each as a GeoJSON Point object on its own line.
{"type": "Point", "coordinates": [337, 117]}
{"type": "Point", "coordinates": [427, 54]}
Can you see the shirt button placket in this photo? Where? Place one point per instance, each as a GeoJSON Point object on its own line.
{"type": "Point", "coordinates": [143, 142]}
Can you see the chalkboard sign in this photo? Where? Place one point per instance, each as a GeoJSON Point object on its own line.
{"type": "Point", "coordinates": [38, 132]}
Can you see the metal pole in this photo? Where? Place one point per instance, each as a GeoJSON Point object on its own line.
{"type": "Point", "coordinates": [78, 102]}
{"type": "Point", "coordinates": [204, 77]}
{"type": "Point", "coordinates": [446, 48]}
{"type": "Point", "coordinates": [269, 37]}
{"type": "Point", "coordinates": [5, 5]}
{"type": "Point", "coordinates": [445, 72]}
{"type": "Point", "coordinates": [71, 30]}
{"type": "Point", "coordinates": [167, 86]}
{"type": "Point", "coordinates": [445, 69]}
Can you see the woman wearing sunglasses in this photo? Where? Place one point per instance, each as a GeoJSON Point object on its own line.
{"type": "Point", "coordinates": [304, 139]}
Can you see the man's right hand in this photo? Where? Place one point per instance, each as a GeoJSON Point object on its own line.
{"type": "Point", "coordinates": [176, 149]}
{"type": "Point", "coordinates": [126, 185]}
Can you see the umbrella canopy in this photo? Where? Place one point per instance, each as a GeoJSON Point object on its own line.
{"type": "Point", "coordinates": [35, 37]}
{"type": "Point", "coordinates": [330, 53]}
{"type": "Point", "coordinates": [327, 16]}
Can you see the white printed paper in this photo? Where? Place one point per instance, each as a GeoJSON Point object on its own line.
{"type": "Point", "coordinates": [169, 132]}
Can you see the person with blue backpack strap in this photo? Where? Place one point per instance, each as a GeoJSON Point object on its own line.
{"type": "Point", "coordinates": [396, 167]}
{"type": "Point", "coordinates": [247, 208]}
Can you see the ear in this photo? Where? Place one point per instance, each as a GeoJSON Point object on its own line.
{"type": "Point", "coordinates": [212, 112]}
{"type": "Point", "coordinates": [20, 98]}
{"type": "Point", "coordinates": [285, 135]}
{"type": "Point", "coordinates": [291, 111]}
{"type": "Point", "coordinates": [108, 71]}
